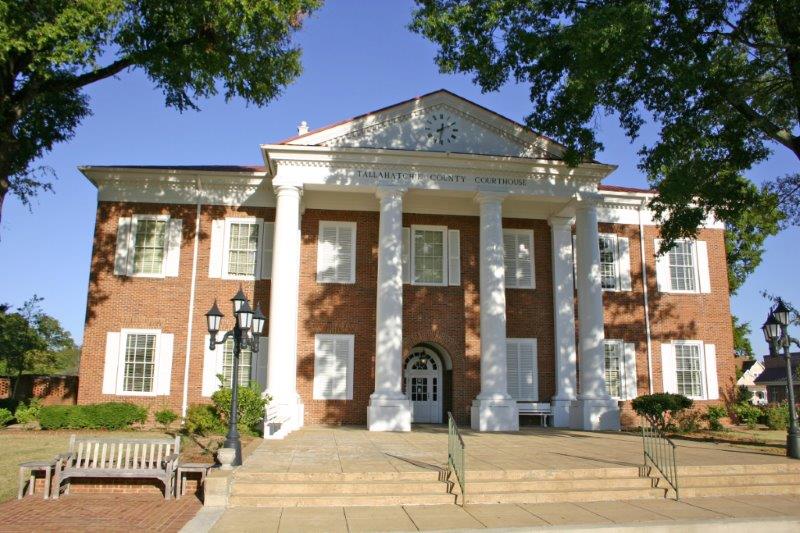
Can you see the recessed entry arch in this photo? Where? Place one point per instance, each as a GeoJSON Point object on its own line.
{"type": "Point", "coordinates": [424, 381]}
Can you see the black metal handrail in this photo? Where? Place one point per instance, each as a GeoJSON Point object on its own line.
{"type": "Point", "coordinates": [660, 450]}
{"type": "Point", "coordinates": [456, 455]}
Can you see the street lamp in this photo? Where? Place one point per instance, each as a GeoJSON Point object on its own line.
{"type": "Point", "coordinates": [776, 331]}
{"type": "Point", "coordinates": [245, 333]}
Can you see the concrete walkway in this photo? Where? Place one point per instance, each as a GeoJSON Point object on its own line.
{"type": "Point", "coordinates": [751, 513]}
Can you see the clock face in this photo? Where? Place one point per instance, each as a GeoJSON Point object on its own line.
{"type": "Point", "coordinates": [441, 128]}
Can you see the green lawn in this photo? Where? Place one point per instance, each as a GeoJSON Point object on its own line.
{"type": "Point", "coordinates": [20, 445]}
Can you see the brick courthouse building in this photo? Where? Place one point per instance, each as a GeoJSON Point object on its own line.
{"type": "Point", "coordinates": [411, 261]}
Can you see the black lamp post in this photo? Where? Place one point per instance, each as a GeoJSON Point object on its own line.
{"type": "Point", "coordinates": [246, 330]}
{"type": "Point", "coordinates": [776, 331]}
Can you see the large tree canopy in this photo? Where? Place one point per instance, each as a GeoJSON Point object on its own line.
{"type": "Point", "coordinates": [719, 78]}
{"type": "Point", "coordinates": [190, 49]}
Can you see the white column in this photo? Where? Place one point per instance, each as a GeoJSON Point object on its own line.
{"type": "Point", "coordinates": [594, 409]}
{"type": "Point", "coordinates": [283, 309]}
{"type": "Point", "coordinates": [564, 319]}
{"type": "Point", "coordinates": [389, 409]}
{"type": "Point", "coordinates": [493, 409]}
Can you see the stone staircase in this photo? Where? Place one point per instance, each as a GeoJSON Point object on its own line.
{"type": "Point", "coordinates": [551, 486]}
{"type": "Point", "coordinates": [736, 480]}
{"type": "Point", "coordinates": [320, 489]}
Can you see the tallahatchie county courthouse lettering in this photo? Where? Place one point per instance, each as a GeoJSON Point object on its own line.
{"type": "Point", "coordinates": [429, 257]}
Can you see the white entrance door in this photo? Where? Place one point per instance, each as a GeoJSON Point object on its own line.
{"type": "Point", "coordinates": [424, 386]}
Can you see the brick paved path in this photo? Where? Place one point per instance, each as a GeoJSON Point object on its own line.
{"type": "Point", "coordinates": [98, 512]}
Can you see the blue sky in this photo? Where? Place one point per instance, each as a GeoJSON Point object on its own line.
{"type": "Point", "coordinates": [357, 56]}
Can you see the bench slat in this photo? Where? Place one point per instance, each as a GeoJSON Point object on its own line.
{"type": "Point", "coordinates": [94, 457]}
{"type": "Point", "coordinates": [80, 454]}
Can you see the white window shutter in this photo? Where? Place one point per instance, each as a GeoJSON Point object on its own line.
{"type": "Point", "coordinates": [574, 263]}
{"type": "Point", "coordinates": [662, 268]}
{"type": "Point", "coordinates": [703, 274]}
{"type": "Point", "coordinates": [518, 259]}
{"type": "Point", "coordinates": [212, 365]}
{"type": "Point", "coordinates": [172, 252]}
{"type": "Point", "coordinates": [122, 264]}
{"type": "Point", "coordinates": [454, 256]}
{"type": "Point", "coordinates": [669, 375]}
{"type": "Point", "coordinates": [528, 371]}
{"type": "Point", "coordinates": [712, 384]}
{"type": "Point", "coordinates": [110, 368]}
{"type": "Point", "coordinates": [164, 371]}
{"type": "Point", "coordinates": [512, 368]}
{"type": "Point", "coordinates": [624, 263]}
{"type": "Point", "coordinates": [259, 370]}
{"type": "Point", "coordinates": [630, 371]}
{"type": "Point", "coordinates": [406, 255]}
{"type": "Point", "coordinates": [336, 253]}
{"type": "Point", "coordinates": [333, 367]}
{"type": "Point", "coordinates": [217, 249]}
{"type": "Point", "coordinates": [267, 242]}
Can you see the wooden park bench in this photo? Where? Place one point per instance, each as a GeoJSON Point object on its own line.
{"type": "Point", "coordinates": [93, 457]}
{"type": "Point", "coordinates": [540, 409]}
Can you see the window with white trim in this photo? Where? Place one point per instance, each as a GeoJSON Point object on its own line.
{"type": "Point", "coordinates": [614, 368]}
{"type": "Point", "coordinates": [518, 258]}
{"type": "Point", "coordinates": [149, 241]}
{"type": "Point", "coordinates": [682, 267]}
{"type": "Point", "coordinates": [140, 361]}
{"type": "Point", "coordinates": [336, 252]}
{"type": "Point", "coordinates": [688, 369]}
{"type": "Point", "coordinates": [429, 255]}
{"type": "Point", "coordinates": [242, 248]}
{"type": "Point", "coordinates": [245, 363]}
{"type": "Point", "coordinates": [333, 367]}
{"type": "Point", "coordinates": [608, 261]}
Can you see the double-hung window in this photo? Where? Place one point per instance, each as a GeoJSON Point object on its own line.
{"type": "Point", "coordinates": [242, 257]}
{"type": "Point", "coordinates": [245, 364]}
{"type": "Point", "coordinates": [613, 368]}
{"type": "Point", "coordinates": [149, 240]}
{"type": "Point", "coordinates": [608, 262]}
{"type": "Point", "coordinates": [140, 362]}
{"type": "Point", "coordinates": [522, 369]}
{"type": "Point", "coordinates": [333, 367]}
{"type": "Point", "coordinates": [336, 252]}
{"type": "Point", "coordinates": [429, 255]}
{"type": "Point", "coordinates": [688, 370]}
{"type": "Point", "coordinates": [682, 267]}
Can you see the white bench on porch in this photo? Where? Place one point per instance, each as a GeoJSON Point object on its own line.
{"type": "Point", "coordinates": [540, 409]}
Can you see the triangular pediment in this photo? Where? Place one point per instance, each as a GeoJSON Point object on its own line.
{"type": "Point", "coordinates": [437, 122]}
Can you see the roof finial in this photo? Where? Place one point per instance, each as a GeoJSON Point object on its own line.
{"type": "Point", "coordinates": [302, 129]}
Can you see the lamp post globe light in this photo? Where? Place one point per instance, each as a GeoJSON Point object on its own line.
{"type": "Point", "coordinates": [776, 331]}
{"type": "Point", "coordinates": [246, 331]}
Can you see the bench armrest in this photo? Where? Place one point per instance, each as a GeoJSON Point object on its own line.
{"type": "Point", "coordinates": [171, 461]}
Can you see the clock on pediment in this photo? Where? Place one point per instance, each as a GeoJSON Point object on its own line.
{"type": "Point", "coordinates": [441, 128]}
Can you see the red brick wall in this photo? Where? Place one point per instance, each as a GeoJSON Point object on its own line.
{"type": "Point", "coordinates": [447, 316]}
{"type": "Point", "coordinates": [52, 390]}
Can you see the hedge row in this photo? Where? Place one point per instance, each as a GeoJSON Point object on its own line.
{"type": "Point", "coordinates": [110, 415]}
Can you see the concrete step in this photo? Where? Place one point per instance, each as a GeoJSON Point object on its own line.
{"type": "Point", "coordinates": [548, 485]}
{"type": "Point", "coordinates": [327, 500]}
{"type": "Point", "coordinates": [564, 496]}
{"type": "Point", "coordinates": [292, 488]}
{"type": "Point", "coordinates": [748, 490]}
{"type": "Point", "coordinates": [738, 480]}
{"type": "Point", "coordinates": [341, 477]}
{"type": "Point", "coordinates": [728, 470]}
{"type": "Point", "coordinates": [576, 473]}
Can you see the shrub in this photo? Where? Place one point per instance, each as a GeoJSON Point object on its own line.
{"type": "Point", "coordinates": [251, 407]}
{"type": "Point", "coordinates": [689, 421]}
{"type": "Point", "coordinates": [9, 404]}
{"type": "Point", "coordinates": [203, 420]}
{"type": "Point", "coordinates": [714, 413]}
{"type": "Point", "coordinates": [5, 416]}
{"type": "Point", "coordinates": [778, 416]}
{"type": "Point", "coordinates": [661, 407]}
{"type": "Point", "coordinates": [747, 413]}
{"type": "Point", "coordinates": [25, 414]}
{"type": "Point", "coordinates": [110, 415]}
{"type": "Point", "coordinates": [166, 417]}
{"type": "Point", "coordinates": [743, 394]}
